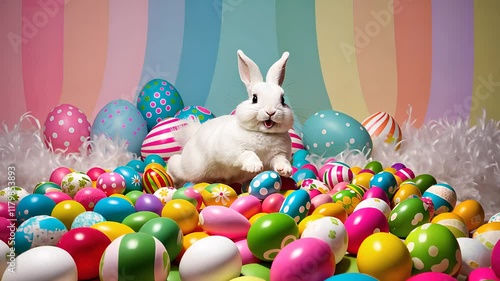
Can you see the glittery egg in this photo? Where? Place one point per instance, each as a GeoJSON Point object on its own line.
{"type": "Point", "coordinates": [89, 196]}
{"type": "Point", "coordinates": [160, 140]}
{"type": "Point", "coordinates": [120, 120]}
{"type": "Point", "coordinates": [264, 184]}
{"type": "Point", "coordinates": [38, 231]}
{"type": "Point", "coordinates": [73, 182]}
{"type": "Point", "coordinates": [158, 100]}
{"type": "Point", "coordinates": [195, 113]}
{"type": "Point", "coordinates": [443, 196]}
{"type": "Point", "coordinates": [383, 127]}
{"type": "Point", "coordinates": [66, 128]}
{"type": "Point", "coordinates": [87, 219]}
{"type": "Point", "coordinates": [327, 133]}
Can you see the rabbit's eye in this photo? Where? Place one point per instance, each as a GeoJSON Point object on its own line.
{"type": "Point", "coordinates": [282, 100]}
{"type": "Point", "coordinates": [254, 99]}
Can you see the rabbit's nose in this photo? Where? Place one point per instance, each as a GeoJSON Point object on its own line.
{"type": "Point", "coordinates": [270, 113]}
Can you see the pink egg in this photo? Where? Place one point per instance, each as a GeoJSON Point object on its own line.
{"type": "Point", "coordinates": [95, 172]}
{"type": "Point", "coordinates": [319, 200]}
{"type": "Point", "coordinates": [219, 220]}
{"type": "Point", "coordinates": [326, 166]}
{"type": "Point", "coordinates": [58, 174]}
{"type": "Point", "coordinates": [248, 205]}
{"type": "Point", "coordinates": [336, 174]}
{"type": "Point", "coordinates": [272, 203]}
{"type": "Point", "coordinates": [363, 223]}
{"type": "Point", "coordinates": [377, 192]}
{"type": "Point", "coordinates": [431, 276]}
{"type": "Point", "coordinates": [311, 167]}
{"type": "Point", "coordinates": [404, 174]}
{"type": "Point", "coordinates": [246, 255]}
{"type": "Point", "coordinates": [111, 183]}
{"type": "Point", "coordinates": [338, 187]}
{"type": "Point", "coordinates": [5, 212]}
{"type": "Point", "coordinates": [483, 274]}
{"type": "Point", "coordinates": [495, 259]}
{"type": "Point", "coordinates": [66, 128]}
{"type": "Point", "coordinates": [57, 196]}
{"type": "Point", "coordinates": [88, 197]}
{"type": "Point", "coordinates": [297, 143]}
{"type": "Point", "coordinates": [382, 127]}
{"type": "Point", "coordinates": [313, 193]}
{"type": "Point", "coordinates": [303, 259]}
{"type": "Point", "coordinates": [160, 140]}
{"type": "Point", "coordinates": [6, 228]}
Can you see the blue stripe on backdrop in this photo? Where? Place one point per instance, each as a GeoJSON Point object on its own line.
{"type": "Point", "coordinates": [199, 51]}
{"type": "Point", "coordinates": [248, 25]}
{"type": "Point", "coordinates": [164, 41]}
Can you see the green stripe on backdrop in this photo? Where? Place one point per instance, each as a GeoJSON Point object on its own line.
{"type": "Point", "coordinates": [486, 88]}
{"type": "Point", "coordinates": [296, 31]}
{"type": "Point", "coordinates": [248, 25]}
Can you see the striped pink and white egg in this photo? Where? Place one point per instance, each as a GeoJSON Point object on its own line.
{"type": "Point", "coordinates": [297, 143]}
{"type": "Point", "coordinates": [383, 127]}
{"type": "Point", "coordinates": [336, 174]}
{"type": "Point", "coordinates": [160, 140]}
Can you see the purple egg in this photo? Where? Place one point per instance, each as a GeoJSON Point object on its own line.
{"type": "Point", "coordinates": [149, 202]}
{"type": "Point", "coordinates": [377, 192]}
{"type": "Point", "coordinates": [398, 166]}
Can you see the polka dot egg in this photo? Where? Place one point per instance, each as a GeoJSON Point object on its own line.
{"type": "Point", "coordinates": [158, 100]}
{"type": "Point", "coordinates": [296, 205]}
{"type": "Point", "coordinates": [111, 183]}
{"type": "Point", "coordinates": [327, 133]}
{"type": "Point", "coordinates": [443, 197]}
{"type": "Point", "coordinates": [66, 128]}
{"type": "Point", "coordinates": [264, 184]}
{"type": "Point", "coordinates": [195, 112]}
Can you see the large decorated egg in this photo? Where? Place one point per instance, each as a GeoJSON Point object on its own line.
{"type": "Point", "coordinates": [195, 113]}
{"type": "Point", "coordinates": [264, 184]}
{"type": "Point", "coordinates": [139, 256]}
{"type": "Point", "coordinates": [407, 216]}
{"type": "Point", "coordinates": [434, 248]}
{"type": "Point", "coordinates": [74, 182]}
{"type": "Point", "coordinates": [160, 140]}
{"type": "Point", "coordinates": [154, 179]}
{"type": "Point", "coordinates": [332, 231]}
{"type": "Point", "coordinates": [120, 120]}
{"type": "Point", "coordinates": [158, 100]}
{"type": "Point", "coordinates": [382, 127]}
{"type": "Point", "coordinates": [38, 231]}
{"type": "Point", "coordinates": [327, 133]}
{"type": "Point", "coordinates": [66, 129]}
{"type": "Point", "coordinates": [296, 205]}
{"type": "Point", "coordinates": [443, 196]}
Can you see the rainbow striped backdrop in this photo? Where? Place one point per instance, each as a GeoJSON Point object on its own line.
{"type": "Point", "coordinates": [357, 56]}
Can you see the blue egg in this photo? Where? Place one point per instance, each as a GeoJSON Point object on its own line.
{"type": "Point", "coordinates": [154, 158]}
{"type": "Point", "coordinates": [133, 180]}
{"type": "Point", "coordinates": [302, 174]}
{"type": "Point", "coordinates": [297, 205]}
{"type": "Point", "coordinates": [386, 181]}
{"type": "Point", "coordinates": [114, 208]}
{"type": "Point", "coordinates": [299, 163]}
{"type": "Point", "coordinates": [121, 120]}
{"type": "Point", "coordinates": [300, 154]}
{"type": "Point", "coordinates": [137, 165]}
{"type": "Point", "coordinates": [87, 219]}
{"type": "Point", "coordinates": [351, 276]}
{"type": "Point", "coordinates": [264, 184]}
{"type": "Point", "coordinates": [195, 112]}
{"type": "Point", "coordinates": [443, 197]}
{"type": "Point", "coordinates": [38, 231]}
{"type": "Point", "coordinates": [158, 100]}
{"type": "Point", "coordinates": [328, 133]}
{"type": "Point", "coordinates": [34, 205]}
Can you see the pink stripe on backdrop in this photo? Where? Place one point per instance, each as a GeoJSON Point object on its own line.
{"type": "Point", "coordinates": [11, 77]}
{"type": "Point", "coordinates": [85, 49]}
{"type": "Point", "coordinates": [43, 24]}
{"type": "Point", "coordinates": [163, 150]}
{"type": "Point", "coordinates": [128, 26]}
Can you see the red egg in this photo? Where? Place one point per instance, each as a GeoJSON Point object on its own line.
{"type": "Point", "coordinates": [95, 172]}
{"type": "Point", "coordinates": [272, 203]}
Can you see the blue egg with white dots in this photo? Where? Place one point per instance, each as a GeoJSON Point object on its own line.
{"type": "Point", "coordinates": [158, 100]}
{"type": "Point", "coordinates": [351, 276]}
{"type": "Point", "coordinates": [327, 133]}
{"type": "Point", "coordinates": [299, 163]}
{"type": "Point", "coordinates": [154, 158]}
{"type": "Point", "coordinates": [137, 165]}
{"type": "Point", "coordinates": [87, 219]}
{"type": "Point", "coordinates": [264, 184]}
{"type": "Point", "coordinates": [300, 154]}
{"type": "Point", "coordinates": [195, 112]}
{"type": "Point", "coordinates": [302, 174]}
{"type": "Point", "coordinates": [34, 205]}
{"type": "Point", "coordinates": [133, 180]}
{"type": "Point", "coordinates": [296, 205]}
{"type": "Point", "coordinates": [443, 197]}
{"type": "Point", "coordinates": [37, 231]}
{"type": "Point", "coordinates": [386, 181]}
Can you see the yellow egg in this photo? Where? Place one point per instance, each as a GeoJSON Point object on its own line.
{"type": "Point", "coordinates": [112, 229]}
{"type": "Point", "coordinates": [488, 234]}
{"type": "Point", "coordinates": [305, 222]}
{"type": "Point", "coordinates": [155, 165]}
{"type": "Point", "coordinates": [218, 194]}
{"type": "Point", "coordinates": [66, 211]}
{"type": "Point", "coordinates": [472, 212]}
{"type": "Point", "coordinates": [256, 217]}
{"type": "Point", "coordinates": [183, 213]}
{"type": "Point", "coordinates": [287, 192]}
{"type": "Point", "coordinates": [331, 210]}
{"type": "Point", "coordinates": [362, 179]}
{"type": "Point", "coordinates": [247, 278]}
{"type": "Point", "coordinates": [405, 191]}
{"type": "Point", "coordinates": [390, 170]}
{"type": "Point", "coordinates": [453, 222]}
{"type": "Point", "coordinates": [355, 170]}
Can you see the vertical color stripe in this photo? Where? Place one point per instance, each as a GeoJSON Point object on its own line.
{"type": "Point", "coordinates": [338, 57]}
{"type": "Point", "coordinates": [296, 31]}
{"type": "Point", "coordinates": [486, 88]}
{"type": "Point", "coordinates": [199, 50]}
{"type": "Point", "coordinates": [85, 49]}
{"type": "Point", "coordinates": [452, 58]}
{"type": "Point", "coordinates": [126, 48]}
{"type": "Point", "coordinates": [11, 76]}
{"type": "Point", "coordinates": [42, 55]}
{"type": "Point", "coordinates": [413, 33]}
{"type": "Point", "coordinates": [164, 42]}
{"type": "Point", "coordinates": [257, 38]}
{"type": "Point", "coordinates": [375, 52]}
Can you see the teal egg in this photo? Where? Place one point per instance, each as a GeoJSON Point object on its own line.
{"type": "Point", "coordinates": [158, 100]}
{"type": "Point", "coordinates": [296, 205]}
{"type": "Point", "coordinates": [386, 181]}
{"type": "Point", "coordinates": [327, 133]}
{"type": "Point", "coordinates": [137, 165]}
{"type": "Point", "coordinates": [195, 112]}
{"type": "Point", "coordinates": [265, 184]}
{"type": "Point", "coordinates": [38, 231]}
{"type": "Point", "coordinates": [46, 186]}
{"type": "Point", "coordinates": [302, 174]}
{"type": "Point", "coordinates": [133, 180]}
{"type": "Point", "coordinates": [443, 197]}
{"type": "Point", "coordinates": [154, 158]}
{"type": "Point", "coordinates": [87, 219]}
{"type": "Point", "coordinates": [114, 208]}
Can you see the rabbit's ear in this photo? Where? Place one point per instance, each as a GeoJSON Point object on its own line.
{"type": "Point", "coordinates": [249, 71]}
{"type": "Point", "coordinates": [276, 73]}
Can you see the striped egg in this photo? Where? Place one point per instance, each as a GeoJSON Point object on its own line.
{"type": "Point", "coordinates": [382, 126]}
{"type": "Point", "coordinates": [297, 143]}
{"type": "Point", "coordinates": [160, 140]}
{"type": "Point", "coordinates": [154, 179]}
{"type": "Point", "coordinates": [336, 174]}
{"type": "Point", "coordinates": [404, 174]}
{"type": "Point", "coordinates": [135, 256]}
{"type": "Point", "coordinates": [443, 197]}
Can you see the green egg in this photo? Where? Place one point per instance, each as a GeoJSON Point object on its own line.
{"type": "Point", "coordinates": [434, 248]}
{"type": "Point", "coordinates": [424, 181]}
{"type": "Point", "coordinates": [271, 233]}
{"type": "Point", "coordinates": [133, 195]}
{"type": "Point", "coordinates": [46, 186]}
{"type": "Point", "coordinates": [375, 166]}
{"type": "Point", "coordinates": [138, 219]}
{"type": "Point", "coordinates": [348, 198]}
{"type": "Point", "coordinates": [256, 270]}
{"type": "Point", "coordinates": [408, 215]}
{"type": "Point", "coordinates": [168, 232]}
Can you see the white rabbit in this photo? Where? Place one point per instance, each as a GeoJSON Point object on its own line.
{"type": "Point", "coordinates": [234, 148]}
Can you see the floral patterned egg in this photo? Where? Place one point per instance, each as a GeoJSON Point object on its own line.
{"type": "Point", "coordinates": [218, 194]}
{"type": "Point", "coordinates": [165, 194]}
{"type": "Point", "coordinates": [348, 198]}
{"type": "Point", "coordinates": [38, 231]}
{"type": "Point", "coordinates": [75, 181]}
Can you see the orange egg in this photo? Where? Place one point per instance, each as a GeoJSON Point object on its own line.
{"type": "Point", "coordinates": [472, 212]}
{"type": "Point", "coordinates": [218, 194]}
{"type": "Point", "coordinates": [362, 179]}
{"type": "Point", "coordinates": [332, 210]}
{"type": "Point", "coordinates": [453, 222]}
{"type": "Point", "coordinates": [405, 191]}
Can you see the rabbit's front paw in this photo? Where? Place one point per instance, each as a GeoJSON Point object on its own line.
{"type": "Point", "coordinates": [253, 166]}
{"type": "Point", "coordinates": [284, 169]}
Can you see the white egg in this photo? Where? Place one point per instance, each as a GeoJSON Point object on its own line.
{"type": "Point", "coordinates": [44, 263]}
{"type": "Point", "coordinates": [474, 255]}
{"type": "Point", "coordinates": [5, 254]}
{"type": "Point", "coordinates": [374, 203]}
{"type": "Point", "coordinates": [323, 229]}
{"type": "Point", "coordinates": [211, 258]}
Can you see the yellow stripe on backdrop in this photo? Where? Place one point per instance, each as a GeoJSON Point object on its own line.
{"type": "Point", "coordinates": [335, 32]}
{"type": "Point", "coordinates": [85, 50]}
{"type": "Point", "coordinates": [486, 88]}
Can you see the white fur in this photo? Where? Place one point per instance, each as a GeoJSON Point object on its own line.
{"type": "Point", "coordinates": [233, 148]}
